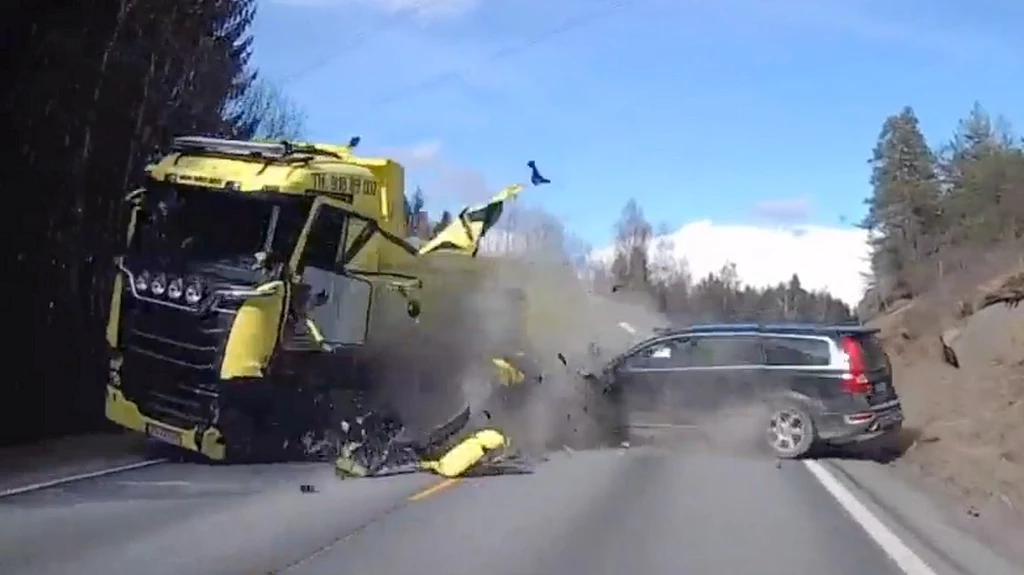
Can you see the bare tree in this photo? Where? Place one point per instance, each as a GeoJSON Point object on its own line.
{"type": "Point", "coordinates": [632, 240]}
{"type": "Point", "coordinates": [269, 113]}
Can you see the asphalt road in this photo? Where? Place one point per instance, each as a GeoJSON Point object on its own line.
{"type": "Point", "coordinates": [629, 511]}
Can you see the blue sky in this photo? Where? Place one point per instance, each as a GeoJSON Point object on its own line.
{"type": "Point", "coordinates": [750, 112]}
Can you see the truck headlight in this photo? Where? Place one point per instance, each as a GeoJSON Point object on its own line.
{"type": "Point", "coordinates": [159, 284]}
{"type": "Point", "coordinates": [175, 288]}
{"type": "Point", "coordinates": [193, 293]}
{"type": "Point", "coordinates": [142, 281]}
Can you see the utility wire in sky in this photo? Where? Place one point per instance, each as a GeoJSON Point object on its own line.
{"type": "Point", "coordinates": [571, 23]}
{"type": "Point", "coordinates": [354, 41]}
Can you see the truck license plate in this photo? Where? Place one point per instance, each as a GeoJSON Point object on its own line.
{"type": "Point", "coordinates": [163, 434]}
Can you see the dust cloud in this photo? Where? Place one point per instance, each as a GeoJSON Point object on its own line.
{"type": "Point", "coordinates": [549, 324]}
{"type": "Point", "coordinates": [737, 431]}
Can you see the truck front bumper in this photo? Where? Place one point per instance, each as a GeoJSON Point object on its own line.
{"type": "Point", "coordinates": [120, 410]}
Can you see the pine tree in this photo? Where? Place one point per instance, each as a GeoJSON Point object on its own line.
{"type": "Point", "coordinates": [903, 210]}
{"type": "Point", "coordinates": [978, 169]}
{"type": "Point", "coordinates": [92, 89]}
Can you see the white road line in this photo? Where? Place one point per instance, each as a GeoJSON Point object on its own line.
{"type": "Point", "coordinates": [627, 327]}
{"type": "Point", "coordinates": [663, 426]}
{"type": "Point", "coordinates": [156, 483]}
{"type": "Point", "coordinates": [82, 476]}
{"type": "Point", "coordinates": [905, 558]}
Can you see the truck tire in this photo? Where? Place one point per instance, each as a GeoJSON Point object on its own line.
{"type": "Point", "coordinates": [240, 436]}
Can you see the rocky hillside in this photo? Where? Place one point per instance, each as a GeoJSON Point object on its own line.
{"type": "Point", "coordinates": [965, 421]}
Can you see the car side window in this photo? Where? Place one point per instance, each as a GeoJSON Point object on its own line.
{"type": "Point", "coordinates": [664, 354]}
{"type": "Point", "coordinates": [796, 351]}
{"type": "Point", "coordinates": [725, 351]}
{"type": "Point", "coordinates": [698, 352]}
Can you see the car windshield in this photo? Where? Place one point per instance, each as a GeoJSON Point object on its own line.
{"type": "Point", "coordinates": [213, 225]}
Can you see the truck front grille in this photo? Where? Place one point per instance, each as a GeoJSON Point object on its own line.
{"type": "Point", "coordinates": [171, 361]}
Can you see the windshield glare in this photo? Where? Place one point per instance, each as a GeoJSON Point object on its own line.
{"type": "Point", "coordinates": [213, 225]}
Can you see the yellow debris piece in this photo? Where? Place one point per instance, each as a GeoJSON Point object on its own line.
{"type": "Point", "coordinates": [346, 467]}
{"type": "Point", "coordinates": [466, 454]}
{"type": "Point", "coordinates": [508, 374]}
{"type": "Point", "coordinates": [463, 235]}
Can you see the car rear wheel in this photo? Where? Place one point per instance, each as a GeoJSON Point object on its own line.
{"type": "Point", "coordinates": [790, 432]}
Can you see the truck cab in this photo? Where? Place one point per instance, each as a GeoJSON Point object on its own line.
{"type": "Point", "coordinates": [252, 275]}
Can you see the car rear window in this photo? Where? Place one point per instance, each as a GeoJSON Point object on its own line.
{"type": "Point", "coordinates": [781, 350]}
{"type": "Point", "coordinates": [874, 354]}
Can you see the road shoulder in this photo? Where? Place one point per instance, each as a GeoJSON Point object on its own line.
{"type": "Point", "coordinates": [54, 459]}
{"type": "Point", "coordinates": [919, 522]}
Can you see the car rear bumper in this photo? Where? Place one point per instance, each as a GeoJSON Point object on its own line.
{"type": "Point", "coordinates": [840, 428]}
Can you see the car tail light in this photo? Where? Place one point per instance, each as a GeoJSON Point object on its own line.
{"type": "Point", "coordinates": [855, 380]}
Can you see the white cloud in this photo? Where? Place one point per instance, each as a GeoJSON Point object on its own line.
{"type": "Point", "coordinates": [420, 155]}
{"type": "Point", "coordinates": [442, 179]}
{"type": "Point", "coordinates": [826, 258]}
{"type": "Point", "coordinates": [784, 211]}
{"type": "Point", "coordinates": [426, 151]}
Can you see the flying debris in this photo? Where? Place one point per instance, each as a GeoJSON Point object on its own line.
{"type": "Point", "coordinates": [535, 177]}
{"type": "Point", "coordinates": [464, 233]}
{"type": "Point", "coordinates": [508, 374]}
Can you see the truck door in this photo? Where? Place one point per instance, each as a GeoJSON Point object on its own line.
{"type": "Point", "coordinates": [337, 304]}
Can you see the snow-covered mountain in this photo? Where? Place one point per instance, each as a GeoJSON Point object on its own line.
{"type": "Point", "coordinates": [833, 259]}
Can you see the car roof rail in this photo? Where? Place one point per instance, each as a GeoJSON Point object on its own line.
{"type": "Point", "coordinates": [761, 327]}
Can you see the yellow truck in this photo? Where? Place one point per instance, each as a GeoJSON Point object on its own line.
{"type": "Point", "coordinates": [254, 280]}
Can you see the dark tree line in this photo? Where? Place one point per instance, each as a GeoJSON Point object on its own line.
{"type": "Point", "coordinates": [644, 263]}
{"type": "Point", "coordinates": [938, 210]}
{"type": "Point", "coordinates": [93, 89]}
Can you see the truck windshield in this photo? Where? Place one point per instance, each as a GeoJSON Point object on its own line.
{"type": "Point", "coordinates": [213, 225]}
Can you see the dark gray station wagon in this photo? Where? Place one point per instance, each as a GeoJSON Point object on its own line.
{"type": "Point", "coordinates": [821, 384]}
